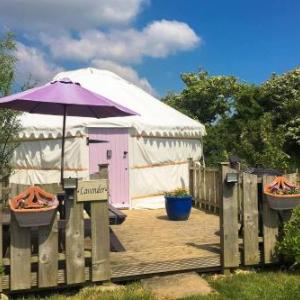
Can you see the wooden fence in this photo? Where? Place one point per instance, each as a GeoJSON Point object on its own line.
{"type": "Point", "coordinates": [249, 229]}
{"type": "Point", "coordinates": [72, 250]}
{"type": "Point", "coordinates": [205, 186]}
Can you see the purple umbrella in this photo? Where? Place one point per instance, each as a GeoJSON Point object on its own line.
{"type": "Point", "coordinates": [64, 97]}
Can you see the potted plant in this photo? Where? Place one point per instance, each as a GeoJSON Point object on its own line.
{"type": "Point", "coordinates": [281, 194]}
{"type": "Point", "coordinates": [178, 204]}
{"type": "Point", "coordinates": [33, 207]}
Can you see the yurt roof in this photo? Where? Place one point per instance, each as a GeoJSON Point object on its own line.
{"type": "Point", "coordinates": [155, 118]}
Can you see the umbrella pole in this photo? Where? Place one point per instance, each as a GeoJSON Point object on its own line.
{"type": "Point", "coordinates": [63, 147]}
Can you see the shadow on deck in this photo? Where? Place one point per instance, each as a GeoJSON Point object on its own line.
{"type": "Point", "coordinates": [153, 244]}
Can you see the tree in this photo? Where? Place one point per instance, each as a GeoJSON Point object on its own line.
{"type": "Point", "coordinates": [205, 98]}
{"type": "Point", "coordinates": [9, 124]}
{"type": "Point", "coordinates": [208, 99]}
{"type": "Point", "coordinates": [281, 97]}
{"type": "Point", "coordinates": [241, 119]}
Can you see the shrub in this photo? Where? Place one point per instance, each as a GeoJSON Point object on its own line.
{"type": "Point", "coordinates": [180, 192]}
{"type": "Point", "coordinates": [289, 246]}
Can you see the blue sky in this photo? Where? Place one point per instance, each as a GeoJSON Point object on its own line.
{"type": "Point", "coordinates": [248, 39]}
{"type": "Point", "coordinates": [152, 42]}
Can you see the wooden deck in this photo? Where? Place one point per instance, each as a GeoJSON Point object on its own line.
{"type": "Point", "coordinates": [155, 244]}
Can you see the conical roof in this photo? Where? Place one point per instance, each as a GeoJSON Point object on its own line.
{"type": "Point", "coordinates": [155, 118]}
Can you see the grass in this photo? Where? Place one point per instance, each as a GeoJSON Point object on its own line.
{"type": "Point", "coordinates": [129, 292]}
{"type": "Point", "coordinates": [262, 285]}
{"type": "Point", "coordinates": [240, 286]}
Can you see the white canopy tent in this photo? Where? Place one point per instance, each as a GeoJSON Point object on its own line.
{"type": "Point", "coordinates": [160, 139]}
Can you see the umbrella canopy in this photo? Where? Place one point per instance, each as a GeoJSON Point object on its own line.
{"type": "Point", "coordinates": [52, 98]}
{"type": "Point", "coordinates": [64, 97]}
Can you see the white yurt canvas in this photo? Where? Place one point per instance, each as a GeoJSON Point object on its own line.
{"type": "Point", "coordinates": [160, 140]}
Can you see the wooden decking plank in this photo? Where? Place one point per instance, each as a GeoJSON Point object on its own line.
{"type": "Point", "coordinates": [120, 271]}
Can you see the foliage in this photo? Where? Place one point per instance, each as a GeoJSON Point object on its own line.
{"type": "Point", "coordinates": [7, 63]}
{"type": "Point", "coordinates": [289, 246]}
{"type": "Point", "coordinates": [259, 123]}
{"type": "Point", "coordinates": [180, 192]}
{"type": "Point", "coordinates": [9, 124]}
{"type": "Point", "coordinates": [205, 98]}
{"type": "Point", "coordinates": [281, 97]}
{"type": "Point", "coordinates": [262, 144]}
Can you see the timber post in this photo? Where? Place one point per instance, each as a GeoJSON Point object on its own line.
{"type": "Point", "coordinates": [101, 270]}
{"type": "Point", "coordinates": [74, 239]}
{"type": "Point", "coordinates": [230, 257]}
{"type": "Point", "coordinates": [191, 176]}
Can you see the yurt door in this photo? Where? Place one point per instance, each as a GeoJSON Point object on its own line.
{"type": "Point", "coordinates": [110, 146]}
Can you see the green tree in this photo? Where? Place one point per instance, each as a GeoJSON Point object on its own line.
{"type": "Point", "coordinates": [9, 124]}
{"type": "Point", "coordinates": [208, 99]}
{"type": "Point", "coordinates": [281, 97]}
{"type": "Point", "coordinates": [205, 98]}
{"type": "Point", "coordinates": [238, 118]}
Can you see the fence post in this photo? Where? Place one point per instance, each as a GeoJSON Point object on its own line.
{"type": "Point", "coordinates": [196, 184]}
{"type": "Point", "coordinates": [75, 261]}
{"type": "Point", "coordinates": [20, 256]}
{"type": "Point", "coordinates": [250, 219]}
{"type": "Point", "coordinates": [191, 176]}
{"type": "Point", "coordinates": [48, 254]}
{"type": "Point", "coordinates": [100, 235]}
{"type": "Point", "coordinates": [229, 222]}
{"type": "Point", "coordinates": [270, 226]}
{"type": "Point", "coordinates": [204, 188]}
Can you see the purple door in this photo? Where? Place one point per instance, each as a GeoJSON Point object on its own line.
{"type": "Point", "coordinates": [115, 154]}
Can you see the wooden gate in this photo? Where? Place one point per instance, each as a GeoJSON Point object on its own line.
{"type": "Point", "coordinates": [248, 227]}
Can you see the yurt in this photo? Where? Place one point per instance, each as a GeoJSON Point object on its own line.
{"type": "Point", "coordinates": [146, 154]}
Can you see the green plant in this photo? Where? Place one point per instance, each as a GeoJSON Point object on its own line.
{"type": "Point", "coordinates": [180, 192]}
{"type": "Point", "coordinates": [9, 122]}
{"type": "Point", "coordinates": [289, 245]}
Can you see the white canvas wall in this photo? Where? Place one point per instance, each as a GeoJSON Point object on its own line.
{"type": "Point", "coordinates": [37, 161]}
{"type": "Point", "coordinates": [158, 165]}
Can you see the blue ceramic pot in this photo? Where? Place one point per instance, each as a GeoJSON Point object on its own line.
{"type": "Point", "coordinates": [178, 208]}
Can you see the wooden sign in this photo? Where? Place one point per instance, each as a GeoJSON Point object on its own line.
{"type": "Point", "coordinates": [92, 190]}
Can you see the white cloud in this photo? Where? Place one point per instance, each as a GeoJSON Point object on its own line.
{"type": "Point", "coordinates": [32, 62]}
{"type": "Point", "coordinates": [158, 39]}
{"type": "Point", "coordinates": [125, 72]}
{"type": "Point", "coordinates": [90, 32]}
{"type": "Point", "coordinates": [167, 37]}
{"type": "Point", "coordinates": [57, 15]}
